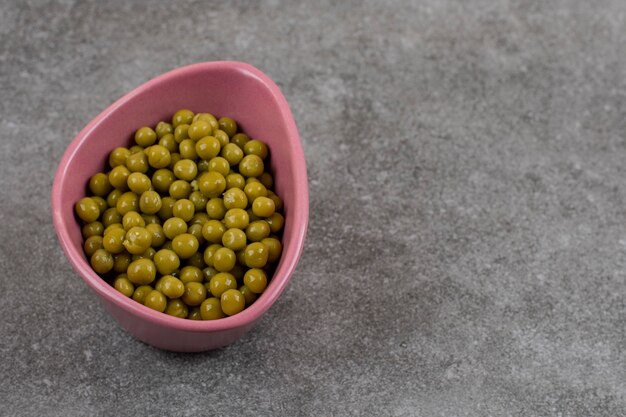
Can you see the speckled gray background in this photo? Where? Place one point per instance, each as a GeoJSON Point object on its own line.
{"type": "Point", "coordinates": [467, 244]}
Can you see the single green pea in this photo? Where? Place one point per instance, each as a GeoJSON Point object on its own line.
{"type": "Point", "coordinates": [184, 209]}
{"type": "Point", "coordinates": [132, 219]}
{"type": "Point", "coordinates": [159, 156]}
{"type": "Point", "coordinates": [278, 202]}
{"type": "Point", "coordinates": [255, 147]}
{"type": "Point", "coordinates": [183, 116]}
{"type": "Point", "coordinates": [136, 149]}
{"type": "Point", "coordinates": [221, 282]}
{"type": "Point", "coordinates": [235, 198]}
{"type": "Point", "coordinates": [232, 153]}
{"type": "Point", "coordinates": [234, 239]}
{"type": "Point", "coordinates": [221, 165]}
{"type": "Point", "coordinates": [254, 190]}
{"type": "Point", "coordinates": [150, 202]}
{"type": "Point", "coordinates": [224, 259]}
{"type": "Point", "coordinates": [174, 226]}
{"type": "Point", "coordinates": [101, 261]}
{"type": "Point", "coordinates": [248, 295]}
{"type": "Point", "coordinates": [267, 180]}
{"type": "Point", "coordinates": [141, 292]}
{"type": "Point", "coordinates": [158, 235]}
{"type": "Point", "coordinates": [163, 128]}
{"type": "Point", "coordinates": [215, 208]}
{"type": "Point", "coordinates": [228, 125]}
{"type": "Point", "coordinates": [166, 261]}
{"type": "Point", "coordinates": [235, 180]}
{"type": "Point", "coordinates": [251, 166]}
{"type": "Point", "coordinates": [118, 157]}
{"type": "Point", "coordinates": [137, 240]}
{"type": "Point", "coordinates": [257, 231]}
{"type": "Point", "coordinates": [208, 147]}
{"type": "Point", "coordinates": [138, 162]}
{"type": "Point", "coordinates": [181, 133]}
{"type": "Point", "coordinates": [170, 286]}
{"type": "Point", "coordinates": [199, 200]}
{"type": "Point", "coordinates": [169, 143]}
{"type": "Point", "coordinates": [211, 309]}
{"type": "Point", "coordinates": [110, 216]}
{"type": "Point", "coordinates": [138, 182]}
{"type": "Point", "coordinates": [156, 301]}
{"type": "Point", "coordinates": [191, 273]}
{"type": "Point", "coordinates": [127, 202]}
{"type": "Point", "coordinates": [221, 136]}
{"type": "Point", "coordinates": [177, 308]}
{"type": "Point", "coordinates": [213, 230]}
{"type": "Point", "coordinates": [232, 302]}
{"type": "Point", "coordinates": [209, 272]}
{"type": "Point", "coordinates": [240, 139]}
{"type": "Point", "coordinates": [276, 222]}
{"type": "Point", "coordinates": [199, 218]}
{"type": "Point", "coordinates": [211, 184]}
{"type": "Point", "coordinates": [199, 129]}
{"type": "Point", "coordinates": [148, 254]}
{"type": "Point", "coordinates": [197, 260]}
{"type": "Point", "coordinates": [256, 280]}
{"type": "Point", "coordinates": [175, 157]}
{"type": "Point", "coordinates": [185, 245]}
{"type": "Point", "coordinates": [236, 218]}
{"type": "Point", "coordinates": [203, 165]}
{"type": "Point", "coordinates": [92, 244]}
{"type": "Point", "coordinates": [121, 261]}
{"type": "Point", "coordinates": [256, 255]}
{"type": "Point", "coordinates": [100, 202]}
{"type": "Point", "coordinates": [185, 169]}
{"type": "Point", "coordinates": [113, 196]}
{"type": "Point", "coordinates": [167, 208]}
{"type": "Point", "coordinates": [92, 229]}
{"type": "Point", "coordinates": [194, 314]}
{"type": "Point", "coordinates": [195, 294]}
{"type": "Point", "coordinates": [123, 285]}
{"type": "Point", "coordinates": [196, 231]}
{"type": "Point", "coordinates": [150, 218]}
{"type": "Point", "coordinates": [207, 117]}
{"type": "Point", "coordinates": [145, 136]}
{"type": "Point", "coordinates": [141, 271]}
{"type": "Point", "coordinates": [99, 184]}
{"type": "Point", "coordinates": [180, 189]}
{"type": "Point", "coordinates": [87, 210]}
{"type": "Point", "coordinates": [209, 252]}
{"type": "Point", "coordinates": [238, 271]}
{"type": "Point", "coordinates": [241, 257]}
{"type": "Point", "coordinates": [263, 207]}
{"type": "Point", "coordinates": [274, 248]}
{"type": "Point", "coordinates": [187, 149]}
{"type": "Point", "coordinates": [113, 227]}
{"type": "Point", "coordinates": [113, 240]}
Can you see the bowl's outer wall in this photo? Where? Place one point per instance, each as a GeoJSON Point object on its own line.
{"type": "Point", "coordinates": [173, 339]}
{"type": "Point", "coordinates": [225, 89]}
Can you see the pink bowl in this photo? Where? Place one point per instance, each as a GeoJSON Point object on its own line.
{"type": "Point", "coordinates": [231, 89]}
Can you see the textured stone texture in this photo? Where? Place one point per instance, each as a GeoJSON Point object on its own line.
{"type": "Point", "coordinates": [467, 244]}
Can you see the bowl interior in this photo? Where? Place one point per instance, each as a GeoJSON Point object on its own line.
{"type": "Point", "coordinates": [229, 89]}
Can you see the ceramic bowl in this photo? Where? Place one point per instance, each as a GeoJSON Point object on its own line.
{"type": "Point", "coordinates": [232, 89]}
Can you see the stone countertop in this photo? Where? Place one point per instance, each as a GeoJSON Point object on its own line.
{"type": "Point", "coordinates": [466, 253]}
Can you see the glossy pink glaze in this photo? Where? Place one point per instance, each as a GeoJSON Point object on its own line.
{"type": "Point", "coordinates": [232, 89]}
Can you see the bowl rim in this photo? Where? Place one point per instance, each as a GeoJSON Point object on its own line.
{"type": "Point", "coordinates": [300, 211]}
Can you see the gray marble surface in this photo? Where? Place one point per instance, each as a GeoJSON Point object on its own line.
{"type": "Point", "coordinates": [467, 244]}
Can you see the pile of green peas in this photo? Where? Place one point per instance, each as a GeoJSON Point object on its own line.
{"type": "Point", "coordinates": [185, 221]}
